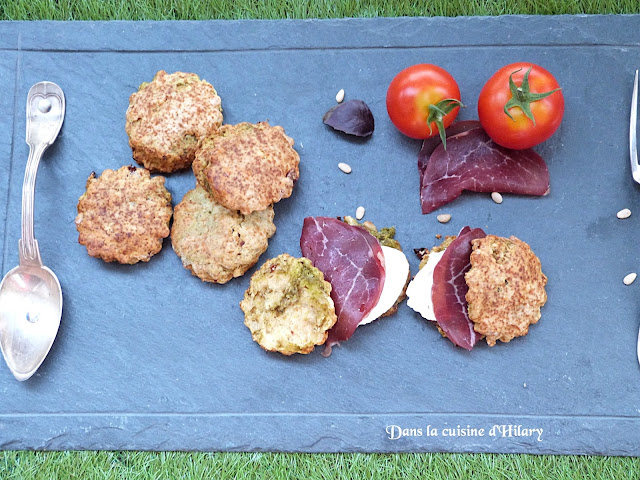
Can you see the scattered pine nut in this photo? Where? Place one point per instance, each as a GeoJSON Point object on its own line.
{"type": "Point", "coordinates": [369, 225]}
{"type": "Point", "coordinates": [438, 236]}
{"type": "Point", "coordinates": [496, 197]}
{"type": "Point", "coordinates": [444, 217]}
{"type": "Point", "coordinates": [624, 213]}
{"type": "Point", "coordinates": [629, 279]}
{"type": "Point", "coordinates": [340, 96]}
{"type": "Point", "coordinates": [345, 167]}
{"type": "Point", "coordinates": [359, 213]}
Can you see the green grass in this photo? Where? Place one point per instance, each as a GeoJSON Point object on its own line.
{"type": "Point", "coordinates": [224, 9]}
{"type": "Point", "coordinates": [178, 465]}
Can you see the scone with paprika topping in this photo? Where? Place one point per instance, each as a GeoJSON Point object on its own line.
{"type": "Point", "coordinates": [168, 116]}
{"type": "Point", "coordinates": [124, 215]}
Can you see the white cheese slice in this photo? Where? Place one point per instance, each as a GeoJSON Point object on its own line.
{"type": "Point", "coordinates": [396, 269]}
{"type": "Point", "coordinates": [419, 290]}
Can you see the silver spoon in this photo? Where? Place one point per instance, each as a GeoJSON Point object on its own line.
{"type": "Point", "coordinates": [30, 294]}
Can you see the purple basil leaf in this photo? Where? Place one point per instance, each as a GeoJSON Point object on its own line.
{"type": "Point", "coordinates": [352, 117]}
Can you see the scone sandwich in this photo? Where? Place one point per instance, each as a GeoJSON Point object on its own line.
{"type": "Point", "coordinates": [476, 285]}
{"type": "Point", "coordinates": [352, 274]}
{"type": "Point", "coordinates": [366, 267]}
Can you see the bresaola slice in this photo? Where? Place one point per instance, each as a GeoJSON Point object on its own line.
{"type": "Point", "coordinates": [472, 161]}
{"type": "Point", "coordinates": [351, 259]}
{"type": "Point", "coordinates": [431, 143]}
{"type": "Point", "coordinates": [449, 290]}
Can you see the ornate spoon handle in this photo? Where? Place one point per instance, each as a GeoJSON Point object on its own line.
{"type": "Point", "coordinates": [45, 114]}
{"type": "Point", "coordinates": [29, 252]}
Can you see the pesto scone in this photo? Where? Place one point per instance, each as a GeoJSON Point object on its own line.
{"type": "Point", "coordinates": [124, 215]}
{"type": "Point", "coordinates": [288, 306]}
{"type": "Point", "coordinates": [168, 116]}
{"type": "Point", "coordinates": [215, 243]}
{"type": "Point", "coordinates": [247, 167]}
{"type": "Point", "coordinates": [506, 288]}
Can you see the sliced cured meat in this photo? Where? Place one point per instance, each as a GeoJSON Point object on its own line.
{"type": "Point", "coordinates": [352, 261]}
{"type": "Point", "coordinates": [450, 289]}
{"type": "Point", "coordinates": [472, 161]}
{"type": "Point", "coordinates": [430, 144]}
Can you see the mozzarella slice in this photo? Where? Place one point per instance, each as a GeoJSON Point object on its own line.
{"type": "Point", "coordinates": [396, 269]}
{"type": "Point", "coordinates": [419, 290]}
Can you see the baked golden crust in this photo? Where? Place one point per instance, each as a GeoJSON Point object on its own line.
{"type": "Point", "coordinates": [247, 167]}
{"type": "Point", "coordinates": [288, 307]}
{"type": "Point", "coordinates": [506, 288]}
{"type": "Point", "coordinates": [124, 215]}
{"type": "Point", "coordinates": [215, 243]}
{"type": "Point", "coordinates": [168, 116]}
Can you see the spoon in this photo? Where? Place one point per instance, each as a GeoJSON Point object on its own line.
{"type": "Point", "coordinates": [30, 294]}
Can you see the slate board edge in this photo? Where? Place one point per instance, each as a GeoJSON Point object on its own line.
{"type": "Point", "coordinates": [5, 185]}
{"type": "Point", "coordinates": [186, 432]}
{"type": "Point", "coordinates": [315, 433]}
{"type": "Point", "coordinates": [386, 32]}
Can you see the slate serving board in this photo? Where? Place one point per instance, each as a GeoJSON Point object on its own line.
{"type": "Point", "coordinates": [149, 357]}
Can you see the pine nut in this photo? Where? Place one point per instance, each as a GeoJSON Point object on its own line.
{"type": "Point", "coordinates": [444, 218]}
{"type": "Point", "coordinates": [359, 213]}
{"type": "Point", "coordinates": [344, 167]}
{"type": "Point", "coordinates": [340, 96]}
{"type": "Point", "coordinates": [369, 225]}
{"type": "Point", "coordinates": [624, 213]}
{"type": "Point", "coordinates": [496, 197]}
{"type": "Point", "coordinates": [629, 279]}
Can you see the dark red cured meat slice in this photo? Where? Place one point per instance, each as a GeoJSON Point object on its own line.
{"type": "Point", "coordinates": [472, 161]}
{"type": "Point", "coordinates": [449, 290]}
{"type": "Point", "coordinates": [430, 144]}
{"type": "Point", "coordinates": [352, 261]}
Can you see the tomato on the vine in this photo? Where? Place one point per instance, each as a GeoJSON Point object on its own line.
{"type": "Point", "coordinates": [521, 105]}
{"type": "Point", "coordinates": [423, 100]}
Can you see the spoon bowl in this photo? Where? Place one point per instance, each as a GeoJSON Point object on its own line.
{"type": "Point", "coordinates": [30, 312]}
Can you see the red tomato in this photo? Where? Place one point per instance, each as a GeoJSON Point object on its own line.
{"type": "Point", "coordinates": [520, 131]}
{"type": "Point", "coordinates": [412, 96]}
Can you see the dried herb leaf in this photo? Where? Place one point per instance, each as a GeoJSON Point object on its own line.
{"type": "Point", "coordinates": [352, 117]}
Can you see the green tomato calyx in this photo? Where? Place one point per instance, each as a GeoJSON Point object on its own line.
{"type": "Point", "coordinates": [522, 97]}
{"type": "Point", "coordinates": [437, 112]}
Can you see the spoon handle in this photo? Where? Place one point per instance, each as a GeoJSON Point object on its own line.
{"type": "Point", "coordinates": [29, 252]}
{"type": "Point", "coordinates": [45, 114]}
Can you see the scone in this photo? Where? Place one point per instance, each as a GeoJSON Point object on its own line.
{"type": "Point", "coordinates": [124, 215]}
{"type": "Point", "coordinates": [247, 167]}
{"type": "Point", "coordinates": [215, 243]}
{"type": "Point", "coordinates": [506, 288]}
{"type": "Point", "coordinates": [168, 116]}
{"type": "Point", "coordinates": [288, 306]}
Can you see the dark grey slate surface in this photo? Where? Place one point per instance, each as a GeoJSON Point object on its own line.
{"type": "Point", "coordinates": [149, 357]}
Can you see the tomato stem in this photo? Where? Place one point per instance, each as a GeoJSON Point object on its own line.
{"type": "Point", "coordinates": [522, 97]}
{"type": "Point", "coordinates": [437, 112]}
